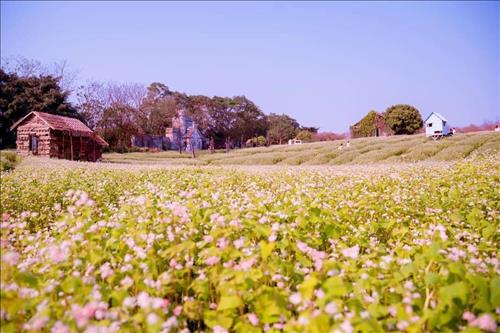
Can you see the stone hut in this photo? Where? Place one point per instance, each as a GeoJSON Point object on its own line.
{"type": "Point", "coordinates": [45, 134]}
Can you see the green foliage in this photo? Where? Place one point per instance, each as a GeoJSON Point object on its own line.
{"type": "Point", "coordinates": [213, 248]}
{"type": "Point", "coordinates": [21, 95]}
{"type": "Point", "coordinates": [8, 160]}
{"type": "Point", "coordinates": [281, 128]}
{"type": "Point", "coordinates": [304, 135]}
{"type": "Point", "coordinates": [366, 126]}
{"type": "Point", "coordinates": [403, 119]}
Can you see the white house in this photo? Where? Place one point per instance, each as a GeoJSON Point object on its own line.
{"type": "Point", "coordinates": [436, 125]}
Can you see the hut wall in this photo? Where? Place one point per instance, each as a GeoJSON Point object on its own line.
{"type": "Point", "coordinates": [84, 148]}
{"type": "Point", "coordinates": [33, 127]}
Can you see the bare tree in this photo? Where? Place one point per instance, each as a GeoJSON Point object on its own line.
{"type": "Point", "coordinates": [25, 67]}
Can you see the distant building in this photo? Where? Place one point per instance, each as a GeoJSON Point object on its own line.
{"type": "Point", "coordinates": [49, 135]}
{"type": "Point", "coordinates": [375, 126]}
{"type": "Point", "coordinates": [436, 125]}
{"type": "Point", "coordinates": [159, 142]}
{"type": "Point", "coordinates": [294, 142]}
{"type": "Point", "coordinates": [184, 133]}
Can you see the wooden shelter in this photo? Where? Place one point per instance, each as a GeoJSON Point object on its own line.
{"type": "Point", "coordinates": [45, 134]}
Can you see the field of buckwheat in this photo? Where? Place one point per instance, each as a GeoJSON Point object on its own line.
{"type": "Point", "coordinates": [99, 248]}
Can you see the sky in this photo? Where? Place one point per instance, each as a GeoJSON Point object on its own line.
{"type": "Point", "coordinates": [324, 63]}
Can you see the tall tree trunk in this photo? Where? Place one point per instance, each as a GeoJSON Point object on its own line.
{"type": "Point", "coordinates": [227, 144]}
{"type": "Point", "coordinates": [212, 144]}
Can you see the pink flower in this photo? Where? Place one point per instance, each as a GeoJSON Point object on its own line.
{"type": "Point", "coordinates": [351, 252]}
{"type": "Point", "coordinates": [152, 319]}
{"type": "Point", "coordinates": [59, 327]}
{"type": "Point", "coordinates": [331, 308]}
{"type": "Point", "coordinates": [5, 217]}
{"type": "Point", "coordinates": [212, 260]}
{"type": "Point", "coordinates": [106, 271]}
{"type": "Point", "coordinates": [485, 322]}
{"type": "Point", "coordinates": [177, 310]}
{"type": "Point", "coordinates": [222, 243]}
{"type": "Point", "coordinates": [208, 238]}
{"type": "Point", "coordinates": [57, 254]}
{"type": "Point", "coordinates": [347, 327]}
{"type": "Point", "coordinates": [245, 265]}
{"type": "Point", "coordinates": [239, 243]}
{"type": "Point", "coordinates": [295, 298]}
{"type": "Point", "coordinates": [469, 316]}
{"type": "Point", "coordinates": [219, 329]}
{"type": "Point", "coordinates": [253, 319]}
{"type": "Point", "coordinates": [143, 300]}
{"type": "Point", "coordinates": [11, 258]}
{"type": "Point", "coordinates": [36, 323]}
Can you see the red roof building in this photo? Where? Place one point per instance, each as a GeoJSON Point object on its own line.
{"type": "Point", "coordinates": [45, 134]}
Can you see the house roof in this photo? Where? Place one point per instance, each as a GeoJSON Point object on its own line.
{"type": "Point", "coordinates": [62, 123]}
{"type": "Point", "coordinates": [438, 115]}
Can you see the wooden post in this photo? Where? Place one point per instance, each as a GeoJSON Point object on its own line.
{"type": "Point", "coordinates": [71, 144]}
{"type": "Point", "coordinates": [81, 149]}
{"type": "Point", "coordinates": [63, 150]}
{"type": "Point", "coordinates": [93, 149]}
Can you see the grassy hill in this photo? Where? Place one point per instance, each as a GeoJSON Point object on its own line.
{"type": "Point", "coordinates": [405, 148]}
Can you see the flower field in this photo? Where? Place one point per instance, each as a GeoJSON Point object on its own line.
{"type": "Point", "coordinates": [99, 248]}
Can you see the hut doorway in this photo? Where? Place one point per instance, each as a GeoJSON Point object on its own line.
{"type": "Point", "coordinates": [33, 144]}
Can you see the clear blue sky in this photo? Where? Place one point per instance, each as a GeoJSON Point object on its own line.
{"type": "Point", "coordinates": [324, 63]}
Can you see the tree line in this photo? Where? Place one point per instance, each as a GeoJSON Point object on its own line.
{"type": "Point", "coordinates": [117, 111]}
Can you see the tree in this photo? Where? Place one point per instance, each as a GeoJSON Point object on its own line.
{"type": "Point", "coordinates": [91, 102]}
{"type": "Point", "coordinates": [221, 119]}
{"type": "Point", "coordinates": [157, 109]}
{"type": "Point", "coordinates": [309, 129]}
{"type": "Point", "coordinates": [249, 122]}
{"type": "Point", "coordinates": [21, 95]}
{"type": "Point", "coordinates": [403, 119]}
{"type": "Point", "coordinates": [25, 67]}
{"type": "Point", "coordinates": [118, 125]}
{"type": "Point", "coordinates": [305, 136]}
{"type": "Point", "coordinates": [281, 128]}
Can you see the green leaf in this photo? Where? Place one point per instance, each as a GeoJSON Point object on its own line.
{"type": "Point", "coordinates": [495, 292]}
{"type": "Point", "coordinates": [334, 286]}
{"type": "Point", "coordinates": [266, 249]}
{"type": "Point", "coordinates": [457, 269]}
{"type": "Point", "coordinates": [269, 306]}
{"type": "Point", "coordinates": [229, 302]}
{"type": "Point", "coordinates": [214, 318]}
{"type": "Point", "coordinates": [457, 290]}
{"type": "Point", "coordinates": [71, 284]}
{"type": "Point", "coordinates": [117, 297]}
{"type": "Point", "coordinates": [307, 287]}
{"type": "Point", "coordinates": [431, 279]}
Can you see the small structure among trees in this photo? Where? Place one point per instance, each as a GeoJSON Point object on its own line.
{"type": "Point", "coordinates": [373, 124]}
{"type": "Point", "coordinates": [45, 134]}
{"type": "Point", "coordinates": [397, 119]}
